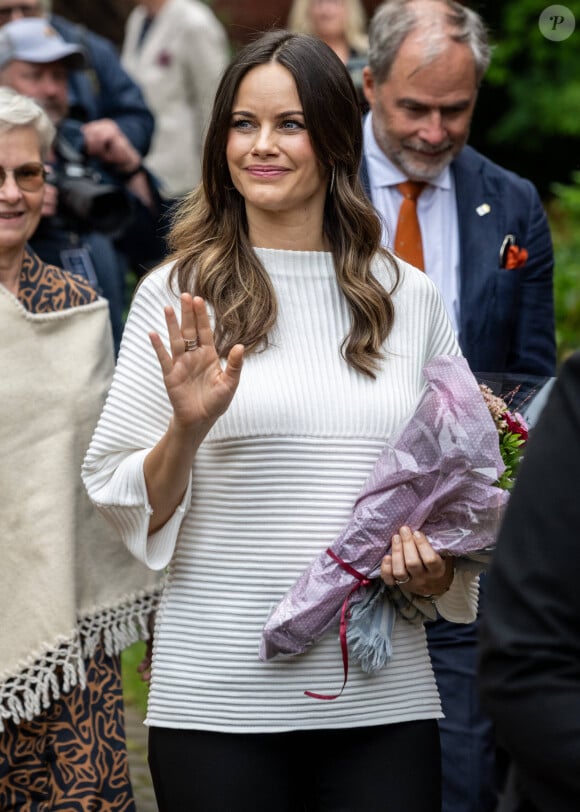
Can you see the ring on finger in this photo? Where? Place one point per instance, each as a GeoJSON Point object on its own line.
{"type": "Point", "coordinates": [191, 344]}
{"type": "Point", "coordinates": [400, 581]}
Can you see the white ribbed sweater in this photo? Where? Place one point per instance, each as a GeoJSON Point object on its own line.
{"type": "Point", "coordinates": [273, 484]}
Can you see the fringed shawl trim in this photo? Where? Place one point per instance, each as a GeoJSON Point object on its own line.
{"type": "Point", "coordinates": [58, 670]}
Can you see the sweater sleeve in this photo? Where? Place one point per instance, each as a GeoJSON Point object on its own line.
{"type": "Point", "coordinates": [135, 417]}
{"type": "Point", "coordinates": [420, 309]}
{"type": "Point", "coordinates": [459, 603]}
{"type": "Point", "coordinates": [442, 338]}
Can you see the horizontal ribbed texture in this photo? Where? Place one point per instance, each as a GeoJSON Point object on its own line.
{"type": "Point", "coordinates": [273, 484]}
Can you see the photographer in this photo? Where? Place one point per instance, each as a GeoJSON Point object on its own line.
{"type": "Point", "coordinates": [100, 91]}
{"type": "Point", "coordinates": [99, 214]}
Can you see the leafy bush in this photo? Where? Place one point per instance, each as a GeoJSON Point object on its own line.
{"type": "Point", "coordinates": [540, 76]}
{"type": "Point", "coordinates": [564, 216]}
{"type": "Point", "coordinates": [528, 113]}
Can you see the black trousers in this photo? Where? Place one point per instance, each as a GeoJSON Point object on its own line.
{"type": "Point", "coordinates": [395, 768]}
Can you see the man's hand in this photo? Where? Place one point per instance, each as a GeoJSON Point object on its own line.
{"type": "Point", "coordinates": [105, 140]}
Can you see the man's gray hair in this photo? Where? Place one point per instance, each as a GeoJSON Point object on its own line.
{"type": "Point", "coordinates": [17, 110]}
{"type": "Point", "coordinates": [436, 21]}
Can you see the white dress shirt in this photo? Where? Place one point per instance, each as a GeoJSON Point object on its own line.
{"type": "Point", "coordinates": [437, 213]}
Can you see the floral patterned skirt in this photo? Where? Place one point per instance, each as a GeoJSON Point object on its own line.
{"type": "Point", "coordinates": [73, 757]}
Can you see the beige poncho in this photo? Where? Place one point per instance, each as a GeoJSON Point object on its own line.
{"type": "Point", "coordinates": [65, 579]}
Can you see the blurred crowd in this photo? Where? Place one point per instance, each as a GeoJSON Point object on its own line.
{"type": "Point", "coordinates": [130, 124]}
{"type": "Point", "coordinates": [98, 166]}
{"type": "Point", "coordinates": [129, 130]}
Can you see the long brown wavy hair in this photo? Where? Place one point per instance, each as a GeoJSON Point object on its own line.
{"type": "Point", "coordinates": [209, 236]}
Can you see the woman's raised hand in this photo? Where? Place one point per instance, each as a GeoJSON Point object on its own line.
{"type": "Point", "coordinates": [199, 389]}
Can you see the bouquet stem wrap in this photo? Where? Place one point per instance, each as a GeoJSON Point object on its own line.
{"type": "Point", "coordinates": [436, 474]}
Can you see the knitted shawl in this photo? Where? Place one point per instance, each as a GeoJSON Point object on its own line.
{"type": "Point", "coordinates": [66, 580]}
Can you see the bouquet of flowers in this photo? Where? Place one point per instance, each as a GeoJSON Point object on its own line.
{"type": "Point", "coordinates": [438, 473]}
{"type": "Point", "coordinates": [512, 430]}
{"type": "Point", "coordinates": [372, 618]}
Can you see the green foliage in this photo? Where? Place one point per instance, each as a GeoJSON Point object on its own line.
{"type": "Point", "coordinates": [510, 446]}
{"type": "Point", "coordinates": [564, 216]}
{"type": "Point", "coordinates": [530, 122]}
{"type": "Point", "coordinates": [134, 689]}
{"type": "Point", "coordinates": [539, 76]}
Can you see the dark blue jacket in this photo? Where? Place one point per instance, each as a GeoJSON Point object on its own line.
{"type": "Point", "coordinates": [506, 319]}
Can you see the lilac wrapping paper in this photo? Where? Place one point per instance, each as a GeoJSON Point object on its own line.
{"type": "Point", "coordinates": [436, 474]}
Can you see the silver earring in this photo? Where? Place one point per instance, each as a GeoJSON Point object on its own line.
{"type": "Point", "coordinates": [332, 180]}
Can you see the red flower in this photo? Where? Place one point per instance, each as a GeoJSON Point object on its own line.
{"type": "Point", "coordinates": [516, 424]}
{"type": "Point", "coordinates": [515, 257]}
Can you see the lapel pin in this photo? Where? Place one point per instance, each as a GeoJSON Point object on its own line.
{"type": "Point", "coordinates": [484, 209]}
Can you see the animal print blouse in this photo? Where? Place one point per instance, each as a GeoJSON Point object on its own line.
{"type": "Point", "coordinates": [46, 288]}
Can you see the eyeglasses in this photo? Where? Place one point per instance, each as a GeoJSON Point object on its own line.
{"type": "Point", "coordinates": [7, 12]}
{"type": "Point", "coordinates": [29, 177]}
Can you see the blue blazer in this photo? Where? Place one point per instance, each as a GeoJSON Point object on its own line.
{"type": "Point", "coordinates": [506, 319]}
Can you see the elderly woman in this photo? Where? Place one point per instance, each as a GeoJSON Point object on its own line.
{"type": "Point", "coordinates": [71, 597]}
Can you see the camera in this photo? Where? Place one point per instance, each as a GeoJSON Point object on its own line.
{"type": "Point", "coordinates": [85, 201]}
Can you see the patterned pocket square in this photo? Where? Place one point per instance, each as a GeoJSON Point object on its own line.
{"type": "Point", "coordinates": [511, 255]}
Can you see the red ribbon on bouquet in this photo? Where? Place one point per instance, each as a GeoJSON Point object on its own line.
{"type": "Point", "coordinates": [362, 580]}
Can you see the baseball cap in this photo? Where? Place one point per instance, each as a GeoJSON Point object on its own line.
{"type": "Point", "coordinates": [35, 40]}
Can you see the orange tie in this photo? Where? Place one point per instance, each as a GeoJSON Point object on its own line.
{"type": "Point", "coordinates": [408, 242]}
